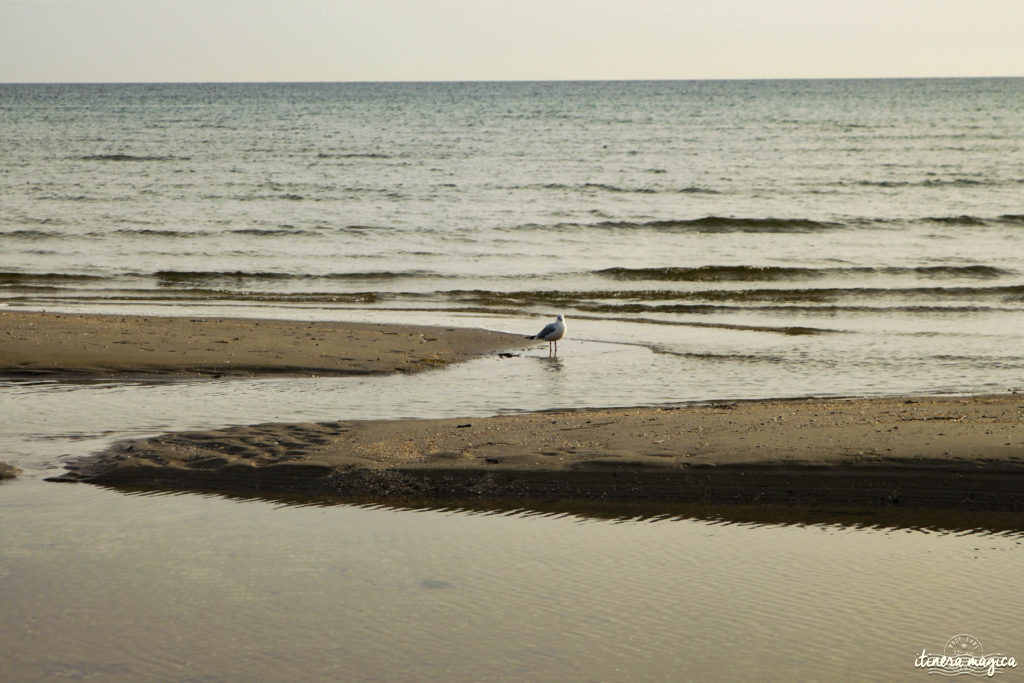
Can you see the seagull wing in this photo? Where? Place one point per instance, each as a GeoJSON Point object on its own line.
{"type": "Point", "coordinates": [548, 330]}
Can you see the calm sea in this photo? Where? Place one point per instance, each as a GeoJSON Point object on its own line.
{"type": "Point", "coordinates": [803, 236]}
{"type": "Point", "coordinates": [705, 240]}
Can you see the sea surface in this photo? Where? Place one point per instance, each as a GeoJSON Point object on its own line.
{"type": "Point", "coordinates": [708, 240]}
{"type": "Point", "coordinates": [809, 237]}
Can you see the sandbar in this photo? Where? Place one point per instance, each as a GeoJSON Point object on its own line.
{"type": "Point", "coordinates": [922, 451]}
{"type": "Point", "coordinates": [69, 346]}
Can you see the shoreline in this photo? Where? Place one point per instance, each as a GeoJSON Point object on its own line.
{"type": "Point", "coordinates": [925, 451]}
{"type": "Point", "coordinates": [935, 452]}
{"type": "Point", "coordinates": [103, 346]}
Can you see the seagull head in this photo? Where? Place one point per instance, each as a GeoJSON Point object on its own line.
{"type": "Point", "coordinates": [560, 317]}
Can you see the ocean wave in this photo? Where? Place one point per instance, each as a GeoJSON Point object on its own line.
{"type": "Point", "coordinates": [955, 182]}
{"type": "Point", "coordinates": [832, 294]}
{"type": "Point", "coordinates": [76, 198]}
{"type": "Point", "coordinates": [272, 232]}
{"type": "Point", "coordinates": [130, 157]}
{"type": "Point", "coordinates": [632, 311]}
{"type": "Point", "coordinates": [215, 294]}
{"type": "Point", "coordinates": [716, 224]}
{"type": "Point", "coordinates": [362, 228]}
{"type": "Point", "coordinates": [17, 278]}
{"type": "Point", "coordinates": [604, 187]}
{"type": "Point", "coordinates": [30, 234]}
{"type": "Point", "coordinates": [957, 220]}
{"type": "Point", "coordinates": [966, 220]}
{"type": "Point", "coordinates": [194, 296]}
{"type": "Point", "coordinates": [636, 312]}
{"type": "Point", "coordinates": [353, 155]}
{"type": "Point", "coordinates": [174, 277]}
{"type": "Point", "coordinates": [608, 187]}
{"type": "Point", "coordinates": [928, 182]}
{"type": "Point", "coordinates": [179, 279]}
{"type": "Point", "coordinates": [49, 220]}
{"type": "Point", "coordinates": [771, 359]}
{"type": "Point", "coordinates": [699, 301]}
{"type": "Point", "coordinates": [153, 232]}
{"type": "Point", "coordinates": [776, 273]}
{"type": "Point", "coordinates": [255, 197]}
{"type": "Point", "coordinates": [827, 310]}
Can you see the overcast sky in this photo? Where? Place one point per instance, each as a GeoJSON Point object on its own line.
{"type": "Point", "coordinates": [372, 40]}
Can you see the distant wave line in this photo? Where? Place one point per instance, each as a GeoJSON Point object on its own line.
{"type": "Point", "coordinates": [627, 311]}
{"type": "Point", "coordinates": [706, 224]}
{"type": "Point", "coordinates": [354, 155]}
{"type": "Point", "coordinates": [31, 234]}
{"type": "Point", "coordinates": [130, 157]}
{"type": "Point", "coordinates": [608, 187]}
{"type": "Point", "coordinates": [744, 273]}
{"type": "Point", "coordinates": [975, 220]}
{"type": "Point", "coordinates": [14, 277]}
{"type": "Point", "coordinates": [727, 224]}
{"type": "Point", "coordinates": [172, 276]}
{"type": "Point", "coordinates": [933, 182]}
{"type": "Point", "coordinates": [823, 295]}
{"type": "Point", "coordinates": [228, 280]}
{"type": "Point", "coordinates": [319, 231]}
{"type": "Point", "coordinates": [716, 224]}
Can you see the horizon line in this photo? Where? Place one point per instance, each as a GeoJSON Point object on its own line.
{"type": "Point", "coordinates": [522, 80]}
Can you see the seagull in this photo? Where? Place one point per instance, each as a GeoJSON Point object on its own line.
{"type": "Point", "coordinates": [552, 333]}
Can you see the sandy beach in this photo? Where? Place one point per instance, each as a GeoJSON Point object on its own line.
{"type": "Point", "coordinates": [961, 452]}
{"type": "Point", "coordinates": [965, 453]}
{"type": "Point", "coordinates": [114, 346]}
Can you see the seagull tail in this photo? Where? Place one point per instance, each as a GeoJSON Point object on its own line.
{"type": "Point", "coordinates": [532, 336]}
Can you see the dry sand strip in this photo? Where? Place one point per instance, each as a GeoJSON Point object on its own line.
{"type": "Point", "coordinates": [965, 453]}
{"type": "Point", "coordinates": [115, 346]}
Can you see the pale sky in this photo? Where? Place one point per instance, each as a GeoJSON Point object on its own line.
{"type": "Point", "coordinates": [432, 40]}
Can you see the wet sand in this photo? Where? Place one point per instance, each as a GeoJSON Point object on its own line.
{"type": "Point", "coordinates": [964, 453]}
{"type": "Point", "coordinates": [111, 346]}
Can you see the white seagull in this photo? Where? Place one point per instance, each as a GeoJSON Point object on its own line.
{"type": "Point", "coordinates": [552, 332]}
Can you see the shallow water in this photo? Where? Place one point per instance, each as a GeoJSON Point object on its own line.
{"type": "Point", "coordinates": [122, 586]}
{"type": "Point", "coordinates": [129, 587]}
